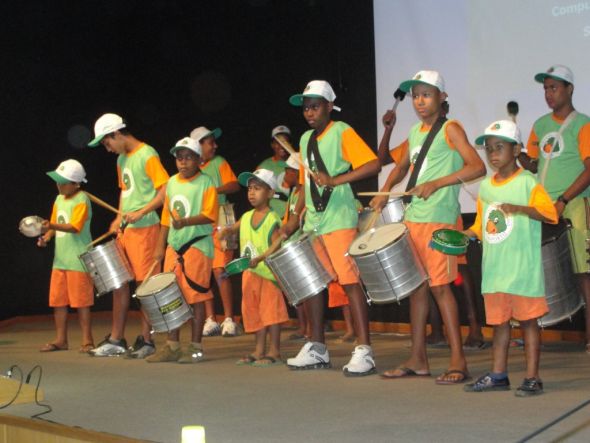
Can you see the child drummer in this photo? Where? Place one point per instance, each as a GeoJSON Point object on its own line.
{"type": "Point", "coordinates": [189, 210]}
{"type": "Point", "coordinates": [70, 284]}
{"type": "Point", "coordinates": [512, 267]}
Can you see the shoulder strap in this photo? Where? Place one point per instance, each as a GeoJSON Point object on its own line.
{"type": "Point", "coordinates": [320, 202]}
{"type": "Point", "coordinates": [180, 252]}
{"type": "Point", "coordinates": [562, 128]}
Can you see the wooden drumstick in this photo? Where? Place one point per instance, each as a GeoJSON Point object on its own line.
{"type": "Point", "coordinates": [150, 270]}
{"type": "Point", "coordinates": [371, 222]}
{"type": "Point", "coordinates": [399, 96]}
{"type": "Point", "coordinates": [390, 194]}
{"type": "Point", "coordinates": [102, 203]}
{"type": "Point", "coordinates": [102, 237]}
{"type": "Point", "coordinates": [285, 144]}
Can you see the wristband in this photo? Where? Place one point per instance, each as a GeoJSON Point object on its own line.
{"type": "Point", "coordinates": [563, 200]}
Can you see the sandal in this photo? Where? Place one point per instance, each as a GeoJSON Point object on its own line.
{"type": "Point", "coordinates": [52, 347]}
{"type": "Point", "coordinates": [85, 349]}
{"type": "Point", "coordinates": [444, 380]}
{"type": "Point", "coordinates": [248, 360]}
{"type": "Point", "coordinates": [267, 361]}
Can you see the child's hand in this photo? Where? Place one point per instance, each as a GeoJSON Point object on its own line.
{"type": "Point", "coordinates": [389, 118]}
{"type": "Point", "coordinates": [323, 179]}
{"type": "Point", "coordinates": [45, 226]}
{"type": "Point", "coordinates": [424, 190]}
{"type": "Point", "coordinates": [378, 202]}
{"type": "Point", "coordinates": [508, 208]}
{"type": "Point", "coordinates": [159, 253]}
{"type": "Point", "coordinates": [133, 217]}
{"type": "Point", "coordinates": [42, 242]}
{"type": "Point", "coordinates": [178, 223]}
{"type": "Point", "coordinates": [116, 225]}
{"type": "Point", "coordinates": [254, 261]}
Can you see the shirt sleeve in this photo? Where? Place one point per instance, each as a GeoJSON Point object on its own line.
{"type": "Point", "coordinates": [476, 227]}
{"type": "Point", "coordinates": [165, 219]}
{"type": "Point", "coordinates": [210, 206]}
{"type": "Point", "coordinates": [449, 124]}
{"type": "Point", "coordinates": [156, 172]}
{"type": "Point", "coordinates": [354, 149]}
{"type": "Point", "coordinates": [119, 177]}
{"type": "Point", "coordinates": [398, 152]}
{"type": "Point", "coordinates": [53, 218]}
{"type": "Point", "coordinates": [226, 173]}
{"type": "Point", "coordinates": [584, 141]}
{"type": "Point", "coordinates": [541, 201]}
{"type": "Point", "coordinates": [532, 145]}
{"type": "Point", "coordinates": [79, 216]}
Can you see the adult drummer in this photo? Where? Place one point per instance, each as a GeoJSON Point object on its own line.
{"type": "Point", "coordinates": [558, 149]}
{"type": "Point", "coordinates": [226, 183]}
{"type": "Point", "coordinates": [331, 149]}
{"type": "Point", "coordinates": [142, 180]}
{"type": "Point", "coordinates": [277, 164]}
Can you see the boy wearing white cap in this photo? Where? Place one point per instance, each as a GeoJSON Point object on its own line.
{"type": "Point", "coordinates": [337, 156]}
{"type": "Point", "coordinates": [226, 183]}
{"type": "Point", "coordinates": [277, 164]}
{"type": "Point", "coordinates": [142, 180]}
{"type": "Point", "coordinates": [189, 210]}
{"type": "Point", "coordinates": [263, 305]}
{"type": "Point", "coordinates": [512, 284]}
{"type": "Point", "coordinates": [560, 143]}
{"type": "Point", "coordinates": [437, 172]}
{"type": "Point", "coordinates": [70, 284]}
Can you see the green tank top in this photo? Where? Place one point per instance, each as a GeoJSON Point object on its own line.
{"type": "Point", "coordinates": [138, 188]}
{"type": "Point", "coordinates": [69, 246]}
{"type": "Point", "coordinates": [511, 260]}
{"type": "Point", "coordinates": [212, 170]}
{"type": "Point", "coordinates": [340, 212]}
{"type": "Point", "coordinates": [441, 160]}
{"type": "Point", "coordinates": [186, 197]}
{"type": "Point", "coordinates": [254, 240]}
{"type": "Point", "coordinates": [565, 164]}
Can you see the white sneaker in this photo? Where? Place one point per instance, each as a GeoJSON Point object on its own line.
{"type": "Point", "coordinates": [311, 356]}
{"type": "Point", "coordinates": [361, 363]}
{"type": "Point", "coordinates": [228, 328]}
{"type": "Point", "coordinates": [109, 348]}
{"type": "Point", "coordinates": [211, 328]}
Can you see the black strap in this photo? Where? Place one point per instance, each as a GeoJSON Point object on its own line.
{"type": "Point", "coordinates": [194, 285]}
{"type": "Point", "coordinates": [320, 202]}
{"type": "Point", "coordinates": [280, 196]}
{"type": "Point", "coordinates": [422, 155]}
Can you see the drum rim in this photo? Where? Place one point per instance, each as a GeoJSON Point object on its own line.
{"type": "Point", "coordinates": [436, 239]}
{"type": "Point", "coordinates": [173, 281]}
{"type": "Point", "coordinates": [364, 254]}
{"type": "Point", "coordinates": [235, 261]}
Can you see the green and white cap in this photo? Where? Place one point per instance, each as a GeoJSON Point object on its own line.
{"type": "Point", "coordinates": [201, 132]}
{"type": "Point", "coordinates": [558, 72]}
{"type": "Point", "coordinates": [263, 175]}
{"type": "Point", "coordinates": [504, 129]}
{"type": "Point", "coordinates": [281, 129]}
{"type": "Point", "coordinates": [315, 89]}
{"type": "Point", "coordinates": [186, 143]}
{"type": "Point", "coordinates": [105, 125]}
{"type": "Point", "coordinates": [68, 171]}
{"type": "Point", "coordinates": [432, 78]}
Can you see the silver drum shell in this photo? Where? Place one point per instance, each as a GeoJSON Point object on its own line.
{"type": "Point", "coordinates": [108, 267]}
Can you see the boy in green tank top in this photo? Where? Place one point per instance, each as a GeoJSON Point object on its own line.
{"type": "Point", "coordinates": [70, 284]}
{"type": "Point", "coordinates": [263, 304]}
{"type": "Point", "coordinates": [277, 164]}
{"type": "Point", "coordinates": [434, 205]}
{"type": "Point", "coordinates": [510, 208]}
{"type": "Point", "coordinates": [558, 149]}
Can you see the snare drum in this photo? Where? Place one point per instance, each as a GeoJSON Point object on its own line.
{"type": "Point", "coordinates": [163, 303]}
{"type": "Point", "coordinates": [392, 212]}
{"type": "Point", "coordinates": [302, 268]}
{"type": "Point", "coordinates": [108, 266]}
{"type": "Point", "coordinates": [388, 263]}
{"type": "Point", "coordinates": [227, 217]}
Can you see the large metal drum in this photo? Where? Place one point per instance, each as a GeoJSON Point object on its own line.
{"type": "Point", "coordinates": [561, 289]}
{"type": "Point", "coordinates": [162, 301]}
{"type": "Point", "coordinates": [392, 212]}
{"type": "Point", "coordinates": [108, 267]}
{"type": "Point", "coordinates": [302, 268]}
{"type": "Point", "coordinates": [388, 263]}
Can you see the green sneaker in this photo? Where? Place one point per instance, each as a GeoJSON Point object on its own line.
{"type": "Point", "coordinates": [164, 354]}
{"type": "Point", "coordinates": [191, 355]}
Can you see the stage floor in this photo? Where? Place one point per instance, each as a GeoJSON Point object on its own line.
{"type": "Point", "coordinates": [248, 404]}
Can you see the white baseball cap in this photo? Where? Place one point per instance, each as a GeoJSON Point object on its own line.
{"type": "Point", "coordinates": [263, 175]}
{"type": "Point", "coordinates": [201, 132]}
{"type": "Point", "coordinates": [68, 171]}
{"type": "Point", "coordinates": [504, 129]}
{"type": "Point", "coordinates": [106, 124]}
{"type": "Point", "coordinates": [315, 89]}
{"type": "Point", "coordinates": [432, 78]}
{"type": "Point", "coordinates": [281, 129]}
{"type": "Point", "coordinates": [291, 162]}
{"type": "Point", "coordinates": [186, 143]}
{"type": "Point", "coordinates": [559, 72]}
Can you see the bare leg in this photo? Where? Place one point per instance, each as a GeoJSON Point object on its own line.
{"type": "Point", "coordinates": [359, 311]}
{"type": "Point", "coordinates": [274, 350]}
{"type": "Point", "coordinates": [198, 321]}
{"type": "Point", "coordinates": [120, 307]}
{"type": "Point", "coordinates": [500, 347]}
{"type": "Point", "coordinates": [146, 327]}
{"type": "Point", "coordinates": [85, 325]}
{"type": "Point", "coordinates": [225, 291]}
{"type": "Point", "coordinates": [532, 345]}
{"type": "Point", "coordinates": [475, 336]}
{"type": "Point", "coordinates": [301, 319]}
{"type": "Point", "coordinates": [60, 317]}
{"type": "Point", "coordinates": [260, 343]}
{"type": "Point", "coordinates": [315, 306]}
{"type": "Point", "coordinates": [347, 314]}
{"type": "Point", "coordinates": [437, 336]}
{"type": "Point", "coordinates": [209, 309]}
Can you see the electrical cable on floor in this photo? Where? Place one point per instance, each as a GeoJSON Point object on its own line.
{"type": "Point", "coordinates": [20, 386]}
{"type": "Point", "coordinates": [557, 420]}
{"type": "Point", "coordinates": [43, 405]}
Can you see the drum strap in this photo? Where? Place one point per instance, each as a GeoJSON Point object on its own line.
{"type": "Point", "coordinates": [180, 252]}
{"type": "Point", "coordinates": [422, 155]}
{"type": "Point", "coordinates": [320, 202]}
{"type": "Point", "coordinates": [280, 196]}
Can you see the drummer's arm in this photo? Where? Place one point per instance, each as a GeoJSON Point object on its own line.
{"type": "Point", "coordinates": [228, 230]}
{"type": "Point", "coordinates": [77, 220]}
{"type": "Point", "coordinates": [160, 250]}
{"type": "Point", "coordinates": [540, 207]}
{"type": "Point", "coordinates": [155, 203]}
{"type": "Point", "coordinates": [229, 188]}
{"type": "Point", "coordinates": [396, 175]}
{"type": "Point", "coordinates": [293, 223]}
{"type": "Point", "coordinates": [276, 238]}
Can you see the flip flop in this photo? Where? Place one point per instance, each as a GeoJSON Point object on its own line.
{"type": "Point", "coordinates": [405, 373]}
{"type": "Point", "coordinates": [84, 349]}
{"type": "Point", "coordinates": [464, 377]}
{"type": "Point", "coordinates": [267, 361]}
{"type": "Point", "coordinates": [52, 347]}
{"type": "Point", "coordinates": [248, 360]}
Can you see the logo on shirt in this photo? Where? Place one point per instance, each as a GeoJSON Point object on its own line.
{"type": "Point", "coordinates": [249, 250]}
{"type": "Point", "coordinates": [552, 145]}
{"type": "Point", "coordinates": [414, 153]}
{"type": "Point", "coordinates": [498, 225]}
{"type": "Point", "coordinates": [62, 219]}
{"type": "Point", "coordinates": [128, 183]}
{"type": "Point", "coordinates": [180, 206]}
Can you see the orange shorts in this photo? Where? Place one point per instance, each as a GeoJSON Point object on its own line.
{"type": "Point", "coordinates": [501, 307]}
{"type": "Point", "coordinates": [337, 244]}
{"type": "Point", "coordinates": [70, 288]}
{"type": "Point", "coordinates": [263, 303]}
{"type": "Point", "coordinates": [441, 268]}
{"type": "Point", "coordinates": [139, 245]}
{"type": "Point", "coordinates": [336, 295]}
{"type": "Point", "coordinates": [461, 259]}
{"type": "Point", "coordinates": [220, 258]}
{"type": "Point", "coordinates": [198, 268]}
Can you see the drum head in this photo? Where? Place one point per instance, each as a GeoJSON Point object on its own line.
{"type": "Point", "coordinates": [156, 283]}
{"type": "Point", "coordinates": [30, 226]}
{"type": "Point", "coordinates": [238, 265]}
{"type": "Point", "coordinates": [449, 241]}
{"type": "Point", "coordinates": [376, 238]}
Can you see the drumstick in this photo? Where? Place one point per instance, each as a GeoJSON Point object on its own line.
{"type": "Point", "coordinates": [102, 203]}
{"type": "Point", "coordinates": [150, 270]}
{"type": "Point", "coordinates": [512, 108]}
{"type": "Point", "coordinates": [372, 219]}
{"type": "Point", "coordinates": [399, 95]}
{"type": "Point", "coordinates": [102, 237]}
{"type": "Point", "coordinates": [390, 194]}
{"type": "Point", "coordinates": [290, 150]}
